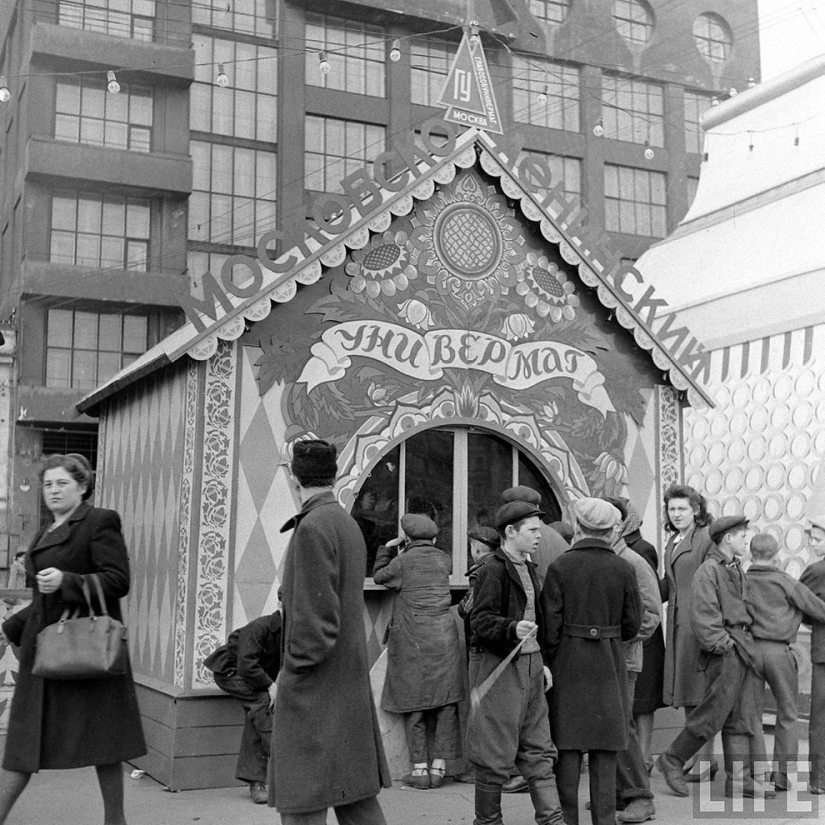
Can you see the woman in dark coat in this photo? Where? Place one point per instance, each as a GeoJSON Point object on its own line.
{"type": "Point", "coordinates": [57, 724]}
{"type": "Point", "coordinates": [425, 668]}
{"type": "Point", "coordinates": [687, 518]}
{"type": "Point", "coordinates": [650, 683]}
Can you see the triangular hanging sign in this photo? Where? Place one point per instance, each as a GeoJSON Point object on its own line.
{"type": "Point", "coordinates": [468, 93]}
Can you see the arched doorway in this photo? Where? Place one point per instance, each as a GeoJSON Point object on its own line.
{"type": "Point", "coordinates": [454, 474]}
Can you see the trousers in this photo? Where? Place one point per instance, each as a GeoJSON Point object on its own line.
{"type": "Point", "coordinates": [602, 770]}
{"type": "Point", "coordinates": [446, 733]}
{"type": "Point", "coordinates": [816, 731]}
{"type": "Point", "coordinates": [511, 725]}
{"type": "Point", "coordinates": [364, 812]}
{"type": "Point", "coordinates": [256, 738]}
{"type": "Point", "coordinates": [632, 780]}
{"type": "Point", "coordinates": [779, 667]}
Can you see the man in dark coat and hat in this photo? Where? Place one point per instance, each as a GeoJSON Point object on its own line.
{"type": "Point", "coordinates": [326, 742]}
{"type": "Point", "coordinates": [591, 605]}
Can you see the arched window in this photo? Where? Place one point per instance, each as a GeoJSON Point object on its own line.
{"type": "Point", "coordinates": [634, 21]}
{"type": "Point", "coordinates": [454, 475]}
{"type": "Point", "coordinates": [713, 37]}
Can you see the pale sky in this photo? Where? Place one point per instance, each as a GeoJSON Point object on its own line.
{"type": "Point", "coordinates": [790, 32]}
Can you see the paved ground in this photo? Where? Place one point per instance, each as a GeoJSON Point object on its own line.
{"type": "Point", "coordinates": [72, 797]}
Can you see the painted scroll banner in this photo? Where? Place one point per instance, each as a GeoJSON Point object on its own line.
{"type": "Point", "coordinates": [425, 357]}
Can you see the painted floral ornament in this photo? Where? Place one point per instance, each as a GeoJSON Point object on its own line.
{"type": "Point", "coordinates": [546, 289]}
{"type": "Point", "coordinates": [517, 326]}
{"type": "Point", "coordinates": [416, 313]}
{"type": "Point", "coordinates": [382, 266]}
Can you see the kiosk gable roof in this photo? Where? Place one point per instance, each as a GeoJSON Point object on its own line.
{"type": "Point", "coordinates": [226, 308]}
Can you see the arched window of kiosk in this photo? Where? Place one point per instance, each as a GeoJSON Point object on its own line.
{"type": "Point", "coordinates": [454, 475]}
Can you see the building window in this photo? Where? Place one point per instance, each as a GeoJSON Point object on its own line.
{"type": "Point", "coordinates": [712, 36]}
{"type": "Point", "coordinates": [456, 476]}
{"type": "Point", "coordinates": [550, 11]}
{"type": "Point", "coordinates": [356, 53]}
{"type": "Point", "coordinates": [566, 170]}
{"type": "Point", "coordinates": [122, 18]}
{"type": "Point", "coordinates": [695, 106]}
{"type": "Point", "coordinates": [258, 17]}
{"type": "Point", "coordinates": [100, 231]}
{"type": "Point", "coordinates": [84, 349]}
{"type": "Point", "coordinates": [546, 94]}
{"type": "Point", "coordinates": [233, 194]}
{"type": "Point", "coordinates": [336, 148]}
{"type": "Point", "coordinates": [634, 21]}
{"type": "Point", "coordinates": [633, 110]}
{"type": "Point", "coordinates": [86, 113]}
{"type": "Point", "coordinates": [429, 63]}
{"type": "Point", "coordinates": [248, 106]}
{"type": "Point", "coordinates": [635, 201]}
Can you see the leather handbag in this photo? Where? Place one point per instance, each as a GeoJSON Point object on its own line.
{"type": "Point", "coordinates": [82, 647]}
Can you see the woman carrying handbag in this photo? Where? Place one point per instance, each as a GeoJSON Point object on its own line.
{"type": "Point", "coordinates": [71, 723]}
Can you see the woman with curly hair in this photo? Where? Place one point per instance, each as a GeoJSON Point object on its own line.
{"type": "Point", "coordinates": [687, 519]}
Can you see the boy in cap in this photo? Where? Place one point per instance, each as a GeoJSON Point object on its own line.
{"type": "Point", "coordinates": [591, 605]}
{"type": "Point", "coordinates": [509, 725]}
{"type": "Point", "coordinates": [778, 603]}
{"type": "Point", "coordinates": [425, 672]}
{"type": "Point", "coordinates": [483, 541]}
{"type": "Point", "coordinates": [551, 545]}
{"type": "Point", "coordinates": [721, 622]}
{"type": "Point", "coordinates": [813, 577]}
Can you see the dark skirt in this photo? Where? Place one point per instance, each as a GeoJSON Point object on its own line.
{"type": "Point", "coordinates": [650, 683]}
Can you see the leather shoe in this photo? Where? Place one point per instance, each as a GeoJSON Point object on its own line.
{"type": "Point", "coordinates": [515, 784]}
{"type": "Point", "coordinates": [422, 781]}
{"type": "Point", "coordinates": [257, 790]}
{"type": "Point", "coordinates": [436, 777]}
{"type": "Point", "coordinates": [816, 789]}
{"type": "Point", "coordinates": [779, 781]}
{"type": "Point", "coordinates": [749, 792]}
{"type": "Point", "coordinates": [671, 769]}
{"type": "Point", "coordinates": [640, 809]}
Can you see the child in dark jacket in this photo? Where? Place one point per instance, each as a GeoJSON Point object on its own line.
{"type": "Point", "coordinates": [778, 603]}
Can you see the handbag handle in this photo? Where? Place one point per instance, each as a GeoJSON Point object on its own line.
{"type": "Point", "coordinates": [88, 596]}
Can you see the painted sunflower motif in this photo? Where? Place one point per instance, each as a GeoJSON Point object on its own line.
{"type": "Point", "coordinates": [382, 266]}
{"type": "Point", "coordinates": [546, 289]}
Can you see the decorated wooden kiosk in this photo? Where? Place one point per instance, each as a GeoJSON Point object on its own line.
{"type": "Point", "coordinates": [448, 322]}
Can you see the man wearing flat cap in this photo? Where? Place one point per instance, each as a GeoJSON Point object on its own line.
{"type": "Point", "coordinates": [813, 577]}
{"type": "Point", "coordinates": [551, 544]}
{"type": "Point", "coordinates": [591, 605]}
{"type": "Point", "coordinates": [509, 723]}
{"type": "Point", "coordinates": [425, 668]}
{"type": "Point", "coordinates": [721, 622]}
{"type": "Point", "coordinates": [326, 742]}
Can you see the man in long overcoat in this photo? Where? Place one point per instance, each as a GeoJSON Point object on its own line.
{"type": "Point", "coordinates": [326, 743]}
{"type": "Point", "coordinates": [591, 605]}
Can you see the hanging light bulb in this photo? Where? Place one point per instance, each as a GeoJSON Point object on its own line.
{"type": "Point", "coordinates": [5, 94]}
{"type": "Point", "coordinates": [648, 151]}
{"type": "Point", "coordinates": [395, 51]}
{"type": "Point", "coordinates": [598, 129]}
{"type": "Point", "coordinates": [222, 80]}
{"type": "Point", "coordinates": [714, 101]}
{"type": "Point", "coordinates": [113, 86]}
{"type": "Point", "coordinates": [733, 93]}
{"type": "Point", "coordinates": [542, 96]}
{"type": "Point", "coordinates": [751, 82]}
{"type": "Point", "coordinates": [474, 36]}
{"type": "Point", "coordinates": [323, 64]}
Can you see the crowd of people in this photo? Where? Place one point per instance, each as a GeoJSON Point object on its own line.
{"type": "Point", "coordinates": [566, 658]}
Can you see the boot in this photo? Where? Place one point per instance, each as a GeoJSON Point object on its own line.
{"type": "Point", "coordinates": [488, 804]}
{"type": "Point", "coordinates": [545, 798]}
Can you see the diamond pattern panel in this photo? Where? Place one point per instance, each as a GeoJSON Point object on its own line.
{"type": "Point", "coordinates": [142, 456]}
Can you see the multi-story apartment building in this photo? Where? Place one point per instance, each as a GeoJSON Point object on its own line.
{"type": "Point", "coordinates": [145, 141]}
